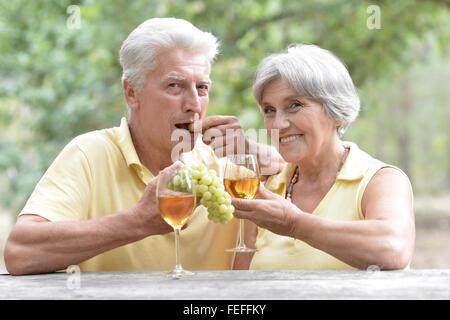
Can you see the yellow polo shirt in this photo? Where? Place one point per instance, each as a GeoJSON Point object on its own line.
{"type": "Point", "coordinates": [99, 173]}
{"type": "Point", "coordinates": [342, 202]}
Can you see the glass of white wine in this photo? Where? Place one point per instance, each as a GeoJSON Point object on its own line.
{"type": "Point", "coordinates": [176, 208]}
{"type": "Point", "coordinates": [241, 180]}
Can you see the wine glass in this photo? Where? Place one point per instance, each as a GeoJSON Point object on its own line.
{"type": "Point", "coordinates": [175, 207]}
{"type": "Point", "coordinates": [241, 180]}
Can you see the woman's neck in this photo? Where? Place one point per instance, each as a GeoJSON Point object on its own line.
{"type": "Point", "coordinates": [322, 166]}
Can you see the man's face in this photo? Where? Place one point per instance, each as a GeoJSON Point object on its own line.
{"type": "Point", "coordinates": [175, 94]}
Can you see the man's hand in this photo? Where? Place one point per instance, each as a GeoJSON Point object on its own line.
{"type": "Point", "coordinates": [146, 210]}
{"type": "Point", "coordinates": [225, 136]}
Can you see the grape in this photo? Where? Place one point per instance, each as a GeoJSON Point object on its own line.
{"type": "Point", "coordinates": [219, 193]}
{"type": "Point", "coordinates": [223, 208]}
{"type": "Point", "coordinates": [202, 189]}
{"type": "Point", "coordinates": [206, 195]}
{"type": "Point", "coordinates": [209, 187]}
{"type": "Point", "coordinates": [206, 180]}
{"type": "Point", "coordinates": [176, 180]}
{"type": "Point", "coordinates": [196, 174]}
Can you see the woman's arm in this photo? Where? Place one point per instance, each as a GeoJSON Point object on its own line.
{"type": "Point", "coordinates": [385, 238]}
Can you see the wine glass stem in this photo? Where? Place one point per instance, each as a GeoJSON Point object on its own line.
{"type": "Point", "coordinates": [177, 249]}
{"type": "Point", "coordinates": [241, 233]}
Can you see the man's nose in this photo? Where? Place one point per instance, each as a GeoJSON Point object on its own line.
{"type": "Point", "coordinates": [192, 101]}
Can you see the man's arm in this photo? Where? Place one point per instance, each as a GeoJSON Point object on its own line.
{"type": "Point", "coordinates": [37, 245]}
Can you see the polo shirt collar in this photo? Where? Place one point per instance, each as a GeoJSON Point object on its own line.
{"type": "Point", "coordinates": [354, 168]}
{"type": "Point", "coordinates": [282, 180]}
{"type": "Point", "coordinates": [129, 151]}
{"type": "Point", "coordinates": [355, 165]}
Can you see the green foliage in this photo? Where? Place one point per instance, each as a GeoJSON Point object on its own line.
{"type": "Point", "coordinates": [57, 82]}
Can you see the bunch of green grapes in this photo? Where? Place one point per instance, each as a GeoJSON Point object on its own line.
{"type": "Point", "coordinates": [207, 185]}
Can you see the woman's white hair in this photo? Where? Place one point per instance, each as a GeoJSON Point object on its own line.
{"type": "Point", "coordinates": [140, 49]}
{"type": "Point", "coordinates": [314, 73]}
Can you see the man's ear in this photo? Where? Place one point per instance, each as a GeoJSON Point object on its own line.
{"type": "Point", "coordinates": [130, 95]}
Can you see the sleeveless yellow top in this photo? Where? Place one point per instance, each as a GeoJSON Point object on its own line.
{"type": "Point", "coordinates": [342, 202]}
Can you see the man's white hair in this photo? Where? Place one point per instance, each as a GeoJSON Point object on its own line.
{"type": "Point", "coordinates": [140, 49]}
{"type": "Point", "coordinates": [314, 73]}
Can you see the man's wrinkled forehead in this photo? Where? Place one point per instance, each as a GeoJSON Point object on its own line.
{"type": "Point", "coordinates": [176, 58]}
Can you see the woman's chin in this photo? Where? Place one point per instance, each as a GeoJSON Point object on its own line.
{"type": "Point", "coordinates": [291, 155]}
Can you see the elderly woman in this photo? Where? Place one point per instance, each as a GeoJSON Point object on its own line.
{"type": "Point", "coordinates": [333, 206]}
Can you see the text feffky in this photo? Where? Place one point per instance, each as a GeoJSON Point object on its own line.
{"type": "Point", "coordinates": [246, 309]}
{"type": "Point", "coordinates": [233, 309]}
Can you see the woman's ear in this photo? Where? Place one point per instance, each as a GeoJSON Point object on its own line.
{"type": "Point", "coordinates": [130, 95]}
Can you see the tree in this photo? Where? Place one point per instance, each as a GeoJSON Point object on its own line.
{"type": "Point", "coordinates": [57, 82]}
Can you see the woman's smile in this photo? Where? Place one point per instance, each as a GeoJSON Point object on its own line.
{"type": "Point", "coordinates": [289, 139]}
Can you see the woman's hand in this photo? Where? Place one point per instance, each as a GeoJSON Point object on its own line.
{"type": "Point", "coordinates": [269, 211]}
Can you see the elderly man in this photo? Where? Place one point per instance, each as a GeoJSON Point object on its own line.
{"type": "Point", "coordinates": [95, 206]}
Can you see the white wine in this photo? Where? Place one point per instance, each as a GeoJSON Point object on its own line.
{"type": "Point", "coordinates": [242, 188]}
{"type": "Point", "coordinates": [176, 210]}
{"type": "Point", "coordinates": [241, 180]}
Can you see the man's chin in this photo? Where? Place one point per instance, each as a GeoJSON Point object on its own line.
{"type": "Point", "coordinates": [182, 146]}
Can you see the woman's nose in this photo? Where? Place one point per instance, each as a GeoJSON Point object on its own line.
{"type": "Point", "coordinates": [281, 122]}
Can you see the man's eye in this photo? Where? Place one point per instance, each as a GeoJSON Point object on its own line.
{"type": "Point", "coordinates": [173, 85]}
{"type": "Point", "coordinates": [203, 90]}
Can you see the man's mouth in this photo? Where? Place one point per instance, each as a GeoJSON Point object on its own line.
{"type": "Point", "coordinates": [184, 126]}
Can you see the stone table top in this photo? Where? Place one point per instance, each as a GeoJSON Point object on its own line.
{"type": "Point", "coordinates": [230, 285]}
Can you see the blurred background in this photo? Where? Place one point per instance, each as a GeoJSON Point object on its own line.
{"type": "Point", "coordinates": [60, 77]}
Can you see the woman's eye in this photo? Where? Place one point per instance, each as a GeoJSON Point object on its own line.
{"type": "Point", "coordinates": [268, 110]}
{"type": "Point", "coordinates": [296, 104]}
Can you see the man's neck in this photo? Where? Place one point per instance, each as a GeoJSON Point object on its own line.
{"type": "Point", "coordinates": [151, 157]}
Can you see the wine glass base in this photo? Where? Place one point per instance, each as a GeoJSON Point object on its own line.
{"type": "Point", "coordinates": [179, 273]}
{"type": "Point", "coordinates": [241, 249]}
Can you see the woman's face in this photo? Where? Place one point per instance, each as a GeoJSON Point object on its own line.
{"type": "Point", "coordinates": [305, 131]}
